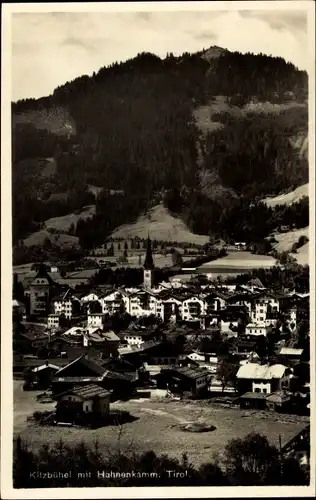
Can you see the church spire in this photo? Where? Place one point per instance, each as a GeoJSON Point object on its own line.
{"type": "Point", "coordinates": [149, 261]}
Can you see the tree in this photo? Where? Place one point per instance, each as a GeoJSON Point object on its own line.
{"type": "Point", "coordinates": [247, 461]}
{"type": "Point", "coordinates": [226, 372]}
{"type": "Point", "coordinates": [18, 289]}
{"type": "Point", "coordinates": [63, 321]}
{"type": "Point", "coordinates": [94, 307]}
{"type": "Point", "coordinates": [262, 348]}
{"type": "Point", "coordinates": [176, 258]}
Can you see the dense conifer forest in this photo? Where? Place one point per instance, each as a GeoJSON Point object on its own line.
{"type": "Point", "coordinates": [133, 134]}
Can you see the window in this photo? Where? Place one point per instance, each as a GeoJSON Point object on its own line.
{"type": "Point", "coordinates": [87, 408]}
{"type": "Point", "coordinates": [264, 391]}
{"type": "Point", "coordinates": [257, 389]}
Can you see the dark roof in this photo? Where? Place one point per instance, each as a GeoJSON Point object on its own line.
{"type": "Point", "coordinates": [254, 395]}
{"type": "Point", "coordinates": [42, 273]}
{"type": "Point", "coordinates": [278, 397]}
{"type": "Point", "coordinates": [220, 294]}
{"type": "Point", "coordinates": [90, 391]}
{"type": "Point", "coordinates": [62, 338]}
{"type": "Point", "coordinates": [34, 336]}
{"type": "Point", "coordinates": [143, 347]}
{"type": "Point", "coordinates": [192, 373]}
{"type": "Point", "coordinates": [139, 333]}
{"type": "Point", "coordinates": [92, 364]}
{"type": "Point", "coordinates": [298, 441]}
{"type": "Point", "coordinates": [89, 363]}
{"type": "Point", "coordinates": [256, 282]}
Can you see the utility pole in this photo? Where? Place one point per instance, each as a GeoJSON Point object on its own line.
{"type": "Point", "coordinates": [281, 456]}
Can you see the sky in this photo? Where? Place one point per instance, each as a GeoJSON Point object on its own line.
{"type": "Point", "coordinates": [49, 49]}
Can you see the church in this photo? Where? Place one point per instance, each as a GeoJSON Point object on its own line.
{"type": "Point", "coordinates": [149, 267]}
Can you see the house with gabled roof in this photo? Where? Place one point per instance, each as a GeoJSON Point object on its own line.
{"type": "Point", "coordinates": [265, 305]}
{"type": "Point", "coordinates": [41, 289]}
{"type": "Point", "coordinates": [84, 370]}
{"type": "Point", "coordinates": [66, 303]}
{"type": "Point", "coordinates": [254, 377]}
{"type": "Point", "coordinates": [114, 301]}
{"type": "Point", "coordinates": [90, 400]}
{"type": "Point", "coordinates": [184, 380]}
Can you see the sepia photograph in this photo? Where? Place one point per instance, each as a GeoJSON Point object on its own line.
{"type": "Point", "coordinates": [158, 204]}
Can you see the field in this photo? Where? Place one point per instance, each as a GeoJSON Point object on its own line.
{"type": "Point", "coordinates": [288, 198]}
{"type": "Point", "coordinates": [302, 255]}
{"type": "Point", "coordinates": [62, 240]}
{"type": "Point", "coordinates": [55, 120]}
{"type": "Point", "coordinates": [236, 261]}
{"type": "Point", "coordinates": [160, 225]}
{"type": "Point", "coordinates": [285, 241]}
{"type": "Point", "coordinates": [63, 223]}
{"type": "Point", "coordinates": [156, 427]}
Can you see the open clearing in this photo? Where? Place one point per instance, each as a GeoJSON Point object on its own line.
{"type": "Point", "coordinates": [288, 198]}
{"type": "Point", "coordinates": [161, 225]}
{"type": "Point", "coordinates": [302, 255]}
{"type": "Point", "coordinates": [62, 240]}
{"type": "Point", "coordinates": [56, 120]}
{"type": "Point", "coordinates": [157, 427]}
{"type": "Point", "coordinates": [285, 242]}
{"type": "Point", "coordinates": [239, 261]}
{"type": "Point", "coordinates": [64, 222]}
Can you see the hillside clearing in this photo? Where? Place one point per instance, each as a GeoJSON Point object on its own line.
{"type": "Point", "coordinates": [240, 260]}
{"type": "Point", "coordinates": [285, 241]}
{"type": "Point", "coordinates": [161, 225]}
{"type": "Point", "coordinates": [203, 114]}
{"type": "Point", "coordinates": [302, 255]}
{"type": "Point", "coordinates": [56, 120]}
{"type": "Point", "coordinates": [64, 222]}
{"type": "Point", "coordinates": [62, 240]}
{"type": "Point", "coordinates": [288, 198]}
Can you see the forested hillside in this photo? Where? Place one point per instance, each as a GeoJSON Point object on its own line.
{"type": "Point", "coordinates": [130, 130]}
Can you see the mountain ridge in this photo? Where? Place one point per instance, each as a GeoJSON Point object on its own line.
{"type": "Point", "coordinates": [134, 129]}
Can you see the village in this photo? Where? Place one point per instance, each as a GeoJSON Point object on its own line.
{"type": "Point", "coordinates": [93, 358]}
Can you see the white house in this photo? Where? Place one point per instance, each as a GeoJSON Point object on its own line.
{"type": "Point", "coordinates": [264, 306]}
{"type": "Point", "coordinates": [65, 304]}
{"type": "Point", "coordinates": [95, 319]}
{"type": "Point", "coordinates": [114, 302]}
{"type": "Point", "coordinates": [193, 308]}
{"type": "Point", "coordinates": [264, 378]}
{"type": "Point", "coordinates": [144, 303]}
{"type": "Point", "coordinates": [257, 329]}
{"type": "Point", "coordinates": [53, 321]}
{"type": "Point", "coordinates": [89, 399]}
{"type": "Point", "coordinates": [90, 297]}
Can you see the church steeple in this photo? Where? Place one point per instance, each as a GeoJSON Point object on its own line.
{"type": "Point", "coordinates": [149, 261]}
{"type": "Point", "coordinates": [148, 266]}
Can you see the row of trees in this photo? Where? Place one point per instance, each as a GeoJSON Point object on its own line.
{"type": "Point", "coordinates": [249, 461]}
{"type": "Point", "coordinates": [242, 219]}
{"type": "Point", "coordinates": [294, 277]}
